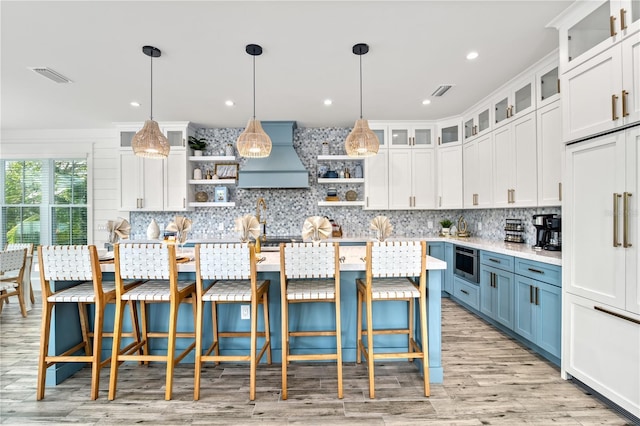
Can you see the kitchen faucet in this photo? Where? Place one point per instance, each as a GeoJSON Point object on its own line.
{"type": "Point", "coordinates": [263, 223]}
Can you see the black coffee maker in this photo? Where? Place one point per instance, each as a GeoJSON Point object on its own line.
{"type": "Point", "coordinates": [548, 232]}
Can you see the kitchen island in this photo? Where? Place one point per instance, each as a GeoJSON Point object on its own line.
{"type": "Point", "coordinates": [66, 333]}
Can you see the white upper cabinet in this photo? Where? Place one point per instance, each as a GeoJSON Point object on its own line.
{"type": "Point", "coordinates": [155, 184]}
{"type": "Point", "coordinates": [516, 100]}
{"type": "Point", "coordinates": [477, 123]}
{"type": "Point", "coordinates": [515, 164]}
{"type": "Point", "coordinates": [411, 179]}
{"type": "Point", "coordinates": [449, 160]}
{"type": "Point", "coordinates": [550, 154]}
{"type": "Point", "coordinates": [450, 132]}
{"type": "Point", "coordinates": [477, 158]}
{"type": "Point", "coordinates": [376, 172]}
{"type": "Point", "coordinates": [547, 84]}
{"type": "Point", "coordinates": [591, 27]}
{"type": "Point", "coordinates": [410, 135]}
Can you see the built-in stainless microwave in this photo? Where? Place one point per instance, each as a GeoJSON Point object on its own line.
{"type": "Point", "coordinates": [466, 264]}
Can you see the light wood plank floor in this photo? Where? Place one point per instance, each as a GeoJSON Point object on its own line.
{"type": "Point", "coordinates": [489, 379]}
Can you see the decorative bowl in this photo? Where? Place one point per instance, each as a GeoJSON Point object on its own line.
{"type": "Point", "coordinates": [202, 197]}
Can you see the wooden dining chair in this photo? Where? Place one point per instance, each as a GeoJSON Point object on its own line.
{"type": "Point", "coordinates": [79, 264]}
{"type": "Point", "coordinates": [391, 271]}
{"type": "Point", "coordinates": [13, 262]}
{"type": "Point", "coordinates": [156, 264]}
{"type": "Point", "coordinates": [310, 273]}
{"type": "Point", "coordinates": [226, 274]}
{"type": "Point", "coordinates": [29, 247]}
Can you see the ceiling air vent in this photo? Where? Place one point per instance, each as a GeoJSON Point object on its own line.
{"type": "Point", "coordinates": [50, 74]}
{"type": "Point", "coordinates": [442, 89]}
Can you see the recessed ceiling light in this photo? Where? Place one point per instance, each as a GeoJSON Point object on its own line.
{"type": "Point", "coordinates": [134, 104]}
{"type": "Point", "coordinates": [426, 102]}
{"type": "Point", "coordinates": [472, 55]}
{"type": "Point", "coordinates": [229, 103]}
{"type": "Point", "coordinates": [328, 102]}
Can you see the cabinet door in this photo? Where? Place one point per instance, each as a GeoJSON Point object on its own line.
{"type": "Point", "coordinates": [487, 293]}
{"type": "Point", "coordinates": [525, 317]}
{"type": "Point", "coordinates": [631, 77]}
{"type": "Point", "coordinates": [602, 351]}
{"type": "Point", "coordinates": [502, 166]}
{"type": "Point", "coordinates": [595, 181]}
{"type": "Point", "coordinates": [632, 261]}
{"type": "Point", "coordinates": [550, 154]}
{"type": "Point", "coordinates": [589, 96]}
{"type": "Point", "coordinates": [152, 184]}
{"type": "Point", "coordinates": [449, 132]}
{"type": "Point", "coordinates": [376, 184]}
{"type": "Point", "coordinates": [524, 181]}
{"type": "Point", "coordinates": [400, 179]}
{"type": "Point", "coordinates": [548, 325]}
{"type": "Point", "coordinates": [470, 173]}
{"type": "Point", "coordinates": [484, 181]}
{"type": "Point", "coordinates": [450, 177]}
{"type": "Point", "coordinates": [503, 289]}
{"type": "Point", "coordinates": [398, 136]}
{"type": "Point", "coordinates": [448, 275]}
{"type": "Point", "coordinates": [130, 181]}
{"type": "Point", "coordinates": [177, 189]}
{"type": "Point", "coordinates": [423, 178]}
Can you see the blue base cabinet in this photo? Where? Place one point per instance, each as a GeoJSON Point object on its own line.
{"type": "Point", "coordinates": [538, 304]}
{"type": "Point", "coordinates": [496, 295]}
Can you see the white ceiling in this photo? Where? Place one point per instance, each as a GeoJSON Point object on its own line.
{"type": "Point", "coordinates": [414, 47]}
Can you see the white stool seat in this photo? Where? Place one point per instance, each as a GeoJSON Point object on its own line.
{"type": "Point", "coordinates": [393, 288]}
{"type": "Point", "coordinates": [231, 291]}
{"type": "Point", "coordinates": [83, 293]}
{"type": "Point", "coordinates": [311, 289]}
{"type": "Point", "coordinates": [154, 290]}
{"type": "Point", "coordinates": [8, 286]}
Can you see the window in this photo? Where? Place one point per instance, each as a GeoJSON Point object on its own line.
{"type": "Point", "coordinates": [44, 201]}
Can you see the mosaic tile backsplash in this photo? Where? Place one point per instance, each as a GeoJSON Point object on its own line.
{"type": "Point", "coordinates": [288, 208]}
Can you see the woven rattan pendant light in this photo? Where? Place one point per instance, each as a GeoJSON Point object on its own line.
{"type": "Point", "coordinates": [361, 142]}
{"type": "Point", "coordinates": [254, 141]}
{"type": "Point", "coordinates": [150, 142]}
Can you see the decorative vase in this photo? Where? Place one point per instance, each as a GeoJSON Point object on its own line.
{"type": "Point", "coordinates": [445, 232]}
{"type": "Point", "coordinates": [357, 171]}
{"type": "Point", "coordinates": [228, 150]}
{"type": "Point", "coordinates": [153, 230]}
{"type": "Point", "coordinates": [197, 153]}
{"type": "Point", "coordinates": [325, 148]}
{"type": "Point", "coordinates": [197, 174]}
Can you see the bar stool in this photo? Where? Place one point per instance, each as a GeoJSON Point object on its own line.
{"type": "Point", "coordinates": [27, 272]}
{"type": "Point", "coordinates": [155, 263]}
{"type": "Point", "coordinates": [390, 276]}
{"type": "Point", "coordinates": [76, 263]}
{"type": "Point", "coordinates": [13, 261]}
{"type": "Point", "coordinates": [232, 267]}
{"type": "Point", "coordinates": [310, 273]}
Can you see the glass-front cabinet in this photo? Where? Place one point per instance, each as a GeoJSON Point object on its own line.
{"type": "Point", "coordinates": [450, 132]}
{"type": "Point", "coordinates": [408, 135]}
{"type": "Point", "coordinates": [516, 100]}
{"type": "Point", "coordinates": [593, 26]}
{"type": "Point", "coordinates": [477, 122]}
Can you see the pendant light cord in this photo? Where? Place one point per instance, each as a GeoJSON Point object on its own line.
{"type": "Point", "coordinates": [152, 86]}
{"type": "Point", "coordinates": [254, 87]}
{"type": "Point", "coordinates": [360, 86]}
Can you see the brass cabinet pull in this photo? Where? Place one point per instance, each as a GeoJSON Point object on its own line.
{"type": "Point", "coordinates": [537, 271]}
{"type": "Point", "coordinates": [614, 113]}
{"type": "Point", "coordinates": [559, 191]}
{"type": "Point", "coordinates": [625, 220]}
{"type": "Point", "coordinates": [624, 103]}
{"type": "Point", "coordinates": [367, 201]}
{"type": "Point", "coordinates": [623, 23]}
{"type": "Point", "coordinates": [616, 243]}
{"type": "Point", "coordinates": [440, 201]}
{"type": "Point", "coordinates": [558, 85]}
{"type": "Point", "coordinates": [439, 140]}
{"type": "Point", "coordinates": [531, 294]}
{"type": "Point", "coordinates": [612, 25]}
{"type": "Point", "coordinates": [615, 314]}
{"type": "Point", "coordinates": [537, 295]}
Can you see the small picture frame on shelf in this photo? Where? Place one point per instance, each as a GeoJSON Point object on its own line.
{"type": "Point", "coordinates": [221, 194]}
{"type": "Point", "coordinates": [226, 171]}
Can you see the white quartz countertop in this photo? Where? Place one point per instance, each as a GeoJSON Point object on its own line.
{"type": "Point", "coordinates": [353, 261]}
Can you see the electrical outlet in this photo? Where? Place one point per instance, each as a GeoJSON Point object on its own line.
{"type": "Point", "coordinates": [430, 224]}
{"type": "Point", "coordinates": [245, 312]}
{"type": "Point", "coordinates": [102, 227]}
{"type": "Point", "coordinates": [479, 226]}
{"type": "Point", "coordinates": [220, 226]}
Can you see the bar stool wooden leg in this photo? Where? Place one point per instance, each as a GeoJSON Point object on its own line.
{"type": "Point", "coordinates": [117, 337]}
{"type": "Point", "coordinates": [144, 330]}
{"type": "Point", "coordinates": [96, 364]}
{"type": "Point", "coordinates": [84, 327]}
{"type": "Point", "coordinates": [285, 342]}
{"type": "Point", "coordinates": [339, 346]}
{"type": "Point", "coordinates": [370, 360]}
{"type": "Point", "coordinates": [267, 332]}
{"type": "Point", "coordinates": [198, 355]}
{"type": "Point", "coordinates": [359, 328]}
{"type": "Point", "coordinates": [31, 296]}
{"type": "Point", "coordinates": [171, 348]}
{"type": "Point", "coordinates": [252, 356]}
{"type": "Point", "coordinates": [425, 344]}
{"type": "Point", "coordinates": [45, 329]}
{"type": "Point", "coordinates": [411, 321]}
{"type": "Point", "coordinates": [214, 322]}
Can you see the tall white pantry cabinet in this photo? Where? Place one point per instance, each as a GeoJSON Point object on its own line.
{"type": "Point", "coordinates": [600, 81]}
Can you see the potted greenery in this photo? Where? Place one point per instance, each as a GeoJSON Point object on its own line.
{"type": "Point", "coordinates": [197, 144]}
{"type": "Point", "coordinates": [446, 224]}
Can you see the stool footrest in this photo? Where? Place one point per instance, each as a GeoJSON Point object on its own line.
{"type": "Point", "coordinates": [312, 333]}
{"type": "Point", "coordinates": [312, 357]}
